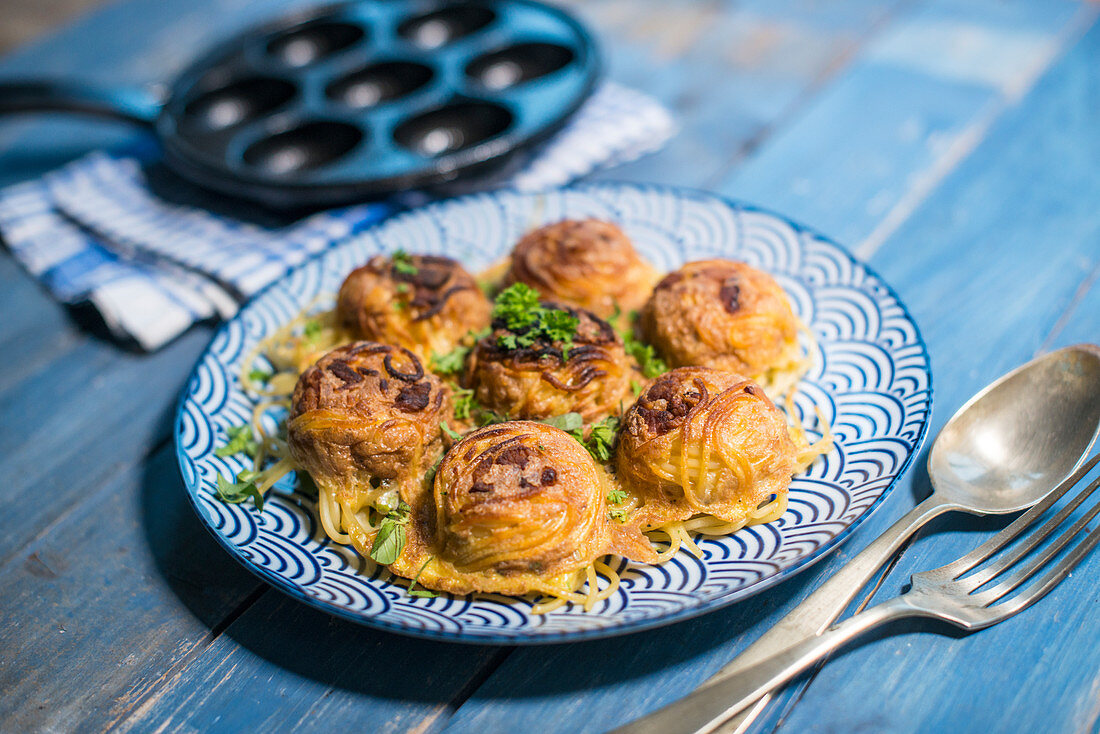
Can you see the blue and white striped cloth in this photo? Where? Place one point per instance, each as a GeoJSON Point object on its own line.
{"type": "Point", "coordinates": [96, 231]}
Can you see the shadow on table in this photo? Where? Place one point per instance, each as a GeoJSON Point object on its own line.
{"type": "Point", "coordinates": [311, 644]}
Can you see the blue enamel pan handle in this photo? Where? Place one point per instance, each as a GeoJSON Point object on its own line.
{"type": "Point", "coordinates": [130, 105]}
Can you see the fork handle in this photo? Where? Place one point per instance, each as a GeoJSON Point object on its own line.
{"type": "Point", "coordinates": [821, 608]}
{"type": "Point", "coordinates": [714, 703]}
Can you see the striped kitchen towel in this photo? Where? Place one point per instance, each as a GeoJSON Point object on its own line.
{"type": "Point", "coordinates": [153, 255]}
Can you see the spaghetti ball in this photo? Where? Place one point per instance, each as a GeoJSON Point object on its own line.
{"type": "Point", "coordinates": [589, 264]}
{"type": "Point", "coordinates": [423, 303]}
{"type": "Point", "coordinates": [518, 507]}
{"type": "Point", "coordinates": [588, 372]}
{"type": "Point", "coordinates": [703, 441]}
{"type": "Point", "coordinates": [365, 423]}
{"type": "Point", "coordinates": [724, 314]}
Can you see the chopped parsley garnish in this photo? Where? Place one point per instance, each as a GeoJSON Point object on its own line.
{"type": "Point", "coordinates": [430, 476]}
{"type": "Point", "coordinates": [490, 417]}
{"type": "Point", "coordinates": [389, 541]}
{"type": "Point", "coordinates": [517, 306]}
{"type": "Point", "coordinates": [616, 497]}
{"type": "Point", "coordinates": [519, 309]}
{"type": "Point", "coordinates": [312, 329]}
{"type": "Point", "coordinates": [451, 433]}
{"type": "Point", "coordinates": [421, 592]}
{"type": "Point", "coordinates": [636, 387]}
{"type": "Point", "coordinates": [617, 515]}
{"type": "Point", "coordinates": [650, 364]}
{"type": "Point", "coordinates": [465, 403]}
{"type": "Point", "coordinates": [601, 438]}
{"type": "Point", "coordinates": [568, 422]}
{"type": "Point", "coordinates": [402, 288]}
{"type": "Point", "coordinates": [644, 354]}
{"type": "Point", "coordinates": [240, 442]}
{"type": "Point", "coordinates": [258, 374]}
{"type": "Point", "coordinates": [402, 263]}
{"type": "Point", "coordinates": [452, 362]}
{"type": "Point", "coordinates": [237, 492]}
{"type": "Point", "coordinates": [388, 502]}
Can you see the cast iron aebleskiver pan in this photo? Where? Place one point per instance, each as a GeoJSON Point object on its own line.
{"type": "Point", "coordinates": [356, 100]}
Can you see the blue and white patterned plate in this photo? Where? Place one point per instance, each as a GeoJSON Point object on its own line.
{"type": "Point", "coordinates": [870, 378]}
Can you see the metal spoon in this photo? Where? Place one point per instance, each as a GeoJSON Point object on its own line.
{"type": "Point", "coordinates": [1003, 451]}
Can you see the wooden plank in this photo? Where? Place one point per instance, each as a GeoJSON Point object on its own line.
{"type": "Point", "coordinates": [108, 600]}
{"type": "Point", "coordinates": [731, 75]}
{"type": "Point", "coordinates": [289, 667]}
{"type": "Point", "coordinates": [197, 708]}
{"type": "Point", "coordinates": [657, 667]}
{"type": "Point", "coordinates": [294, 685]}
{"type": "Point", "coordinates": [106, 410]}
{"type": "Point", "coordinates": [34, 326]}
{"type": "Point", "coordinates": [1022, 279]}
{"type": "Point", "coordinates": [866, 152]}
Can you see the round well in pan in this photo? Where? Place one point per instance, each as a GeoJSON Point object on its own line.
{"type": "Point", "coordinates": [451, 128]}
{"type": "Point", "coordinates": [302, 148]}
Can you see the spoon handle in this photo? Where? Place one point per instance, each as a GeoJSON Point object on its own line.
{"type": "Point", "coordinates": [713, 703]}
{"type": "Point", "coordinates": [821, 608]}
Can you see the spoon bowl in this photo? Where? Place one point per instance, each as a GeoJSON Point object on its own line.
{"type": "Point", "coordinates": [1010, 444]}
{"type": "Point", "coordinates": [1005, 450]}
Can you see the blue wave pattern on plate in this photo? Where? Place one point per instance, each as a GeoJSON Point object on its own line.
{"type": "Point", "coordinates": [870, 379]}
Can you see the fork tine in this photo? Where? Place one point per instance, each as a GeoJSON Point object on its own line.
{"type": "Point", "coordinates": [1036, 564]}
{"type": "Point", "coordinates": [1039, 588]}
{"type": "Point", "coordinates": [985, 550]}
{"type": "Point", "coordinates": [1016, 554]}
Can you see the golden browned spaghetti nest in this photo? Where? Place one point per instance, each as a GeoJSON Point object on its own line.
{"type": "Point", "coordinates": [516, 507]}
{"type": "Point", "coordinates": [704, 441]}
{"type": "Point", "coordinates": [582, 368]}
{"type": "Point", "coordinates": [585, 263]}
{"type": "Point", "coordinates": [511, 447]}
{"type": "Point", "coordinates": [725, 314]}
{"type": "Point", "coordinates": [424, 303]}
{"type": "Point", "coordinates": [365, 423]}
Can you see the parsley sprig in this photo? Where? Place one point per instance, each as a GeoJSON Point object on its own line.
{"type": "Point", "coordinates": [571, 423]}
{"type": "Point", "coordinates": [237, 492]}
{"type": "Point", "coordinates": [600, 439]}
{"type": "Point", "coordinates": [402, 263]}
{"type": "Point", "coordinates": [617, 496]}
{"type": "Point", "coordinates": [421, 592]}
{"type": "Point", "coordinates": [258, 374]}
{"type": "Point", "coordinates": [450, 432]}
{"type": "Point", "coordinates": [644, 354]}
{"type": "Point", "coordinates": [240, 442]}
{"type": "Point", "coordinates": [518, 309]}
{"type": "Point", "coordinates": [452, 362]}
{"type": "Point", "coordinates": [389, 541]}
{"type": "Point", "coordinates": [465, 403]}
{"type": "Point", "coordinates": [312, 329]}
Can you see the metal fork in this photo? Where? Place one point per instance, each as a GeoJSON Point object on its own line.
{"type": "Point", "coordinates": [946, 593]}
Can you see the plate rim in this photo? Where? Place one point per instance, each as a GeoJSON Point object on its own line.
{"type": "Point", "coordinates": [564, 636]}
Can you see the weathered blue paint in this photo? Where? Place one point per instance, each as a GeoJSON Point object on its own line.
{"type": "Point", "coordinates": [975, 199]}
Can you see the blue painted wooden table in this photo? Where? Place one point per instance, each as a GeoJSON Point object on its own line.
{"type": "Point", "coordinates": [955, 146]}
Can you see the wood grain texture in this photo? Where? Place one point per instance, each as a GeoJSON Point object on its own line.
{"type": "Point", "coordinates": [853, 126]}
{"type": "Point", "coordinates": [1022, 279]}
{"type": "Point", "coordinates": [732, 74]}
{"type": "Point", "coordinates": [110, 598]}
{"type": "Point", "coordinates": [904, 126]}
